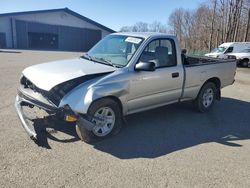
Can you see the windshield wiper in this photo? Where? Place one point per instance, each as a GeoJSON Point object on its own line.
{"type": "Point", "coordinates": [110, 63]}
{"type": "Point", "coordinates": [105, 61]}
{"type": "Point", "coordinates": [87, 56]}
{"type": "Point", "coordinates": [100, 60]}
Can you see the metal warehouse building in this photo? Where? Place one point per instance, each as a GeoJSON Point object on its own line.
{"type": "Point", "coordinates": [61, 29]}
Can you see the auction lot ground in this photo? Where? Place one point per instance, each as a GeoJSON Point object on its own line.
{"type": "Point", "coordinates": [173, 146]}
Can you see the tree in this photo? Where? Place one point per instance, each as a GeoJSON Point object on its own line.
{"type": "Point", "coordinates": [248, 25]}
{"type": "Point", "coordinates": [209, 25]}
{"type": "Point", "coordinates": [140, 27]}
{"type": "Point", "coordinates": [157, 27]}
{"type": "Point", "coordinates": [145, 27]}
{"type": "Point", "coordinates": [126, 29]}
{"type": "Point", "coordinates": [212, 25]}
{"type": "Point", "coordinates": [176, 22]}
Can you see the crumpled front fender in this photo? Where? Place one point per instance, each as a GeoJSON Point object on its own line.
{"type": "Point", "coordinates": [80, 98]}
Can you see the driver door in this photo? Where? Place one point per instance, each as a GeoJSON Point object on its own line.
{"type": "Point", "coordinates": [159, 87]}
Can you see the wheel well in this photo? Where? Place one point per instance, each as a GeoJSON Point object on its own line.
{"type": "Point", "coordinates": [116, 99]}
{"type": "Point", "coordinates": [214, 80]}
{"type": "Point", "coordinates": [217, 83]}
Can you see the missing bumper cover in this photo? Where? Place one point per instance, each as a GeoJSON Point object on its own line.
{"type": "Point", "coordinates": [22, 99]}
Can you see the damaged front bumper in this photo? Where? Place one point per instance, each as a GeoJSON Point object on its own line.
{"type": "Point", "coordinates": [27, 97]}
{"type": "Point", "coordinates": [24, 119]}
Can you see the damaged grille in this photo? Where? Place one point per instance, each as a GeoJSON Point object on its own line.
{"type": "Point", "coordinates": [51, 96]}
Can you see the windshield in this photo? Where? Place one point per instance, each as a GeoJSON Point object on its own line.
{"type": "Point", "coordinates": [117, 50]}
{"type": "Point", "coordinates": [218, 50]}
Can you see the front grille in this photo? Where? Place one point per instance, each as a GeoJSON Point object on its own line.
{"type": "Point", "coordinates": [49, 95]}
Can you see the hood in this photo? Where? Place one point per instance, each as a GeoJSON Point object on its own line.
{"type": "Point", "coordinates": [47, 75]}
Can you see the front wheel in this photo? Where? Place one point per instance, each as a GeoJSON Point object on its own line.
{"type": "Point", "coordinates": [206, 98]}
{"type": "Point", "coordinates": [107, 117]}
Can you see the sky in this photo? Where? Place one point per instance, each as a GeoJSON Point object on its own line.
{"type": "Point", "coordinates": [111, 13]}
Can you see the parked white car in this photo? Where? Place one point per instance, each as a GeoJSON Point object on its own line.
{"type": "Point", "coordinates": [241, 50]}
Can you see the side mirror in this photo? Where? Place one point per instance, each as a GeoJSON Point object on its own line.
{"type": "Point", "coordinates": [145, 66]}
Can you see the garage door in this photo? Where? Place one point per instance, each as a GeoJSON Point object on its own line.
{"type": "Point", "coordinates": [43, 40]}
{"type": "Point", "coordinates": [45, 36]}
{"type": "Point", "coordinates": [77, 39]}
{"type": "Point", "coordinates": [2, 40]}
{"type": "Point", "coordinates": [71, 38]}
{"type": "Point", "coordinates": [92, 37]}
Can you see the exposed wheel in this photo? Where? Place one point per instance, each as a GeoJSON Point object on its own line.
{"type": "Point", "coordinates": [206, 98]}
{"type": "Point", "coordinates": [107, 117]}
{"type": "Point", "coordinates": [244, 63]}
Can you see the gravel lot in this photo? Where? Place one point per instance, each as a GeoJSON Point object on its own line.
{"type": "Point", "coordinates": [173, 146]}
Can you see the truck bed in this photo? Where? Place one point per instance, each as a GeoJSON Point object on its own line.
{"type": "Point", "coordinates": [201, 60]}
{"type": "Point", "coordinates": [197, 70]}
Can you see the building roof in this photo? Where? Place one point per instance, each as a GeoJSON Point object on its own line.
{"type": "Point", "coordinates": [67, 10]}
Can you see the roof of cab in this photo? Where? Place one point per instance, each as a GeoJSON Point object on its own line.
{"type": "Point", "coordinates": [144, 35]}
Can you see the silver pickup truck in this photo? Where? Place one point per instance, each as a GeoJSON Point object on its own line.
{"type": "Point", "coordinates": [122, 74]}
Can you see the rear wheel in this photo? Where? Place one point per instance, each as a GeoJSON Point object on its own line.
{"type": "Point", "coordinates": [206, 97]}
{"type": "Point", "coordinates": [107, 117]}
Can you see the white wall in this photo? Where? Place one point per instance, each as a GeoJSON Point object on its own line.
{"type": "Point", "coordinates": [53, 18]}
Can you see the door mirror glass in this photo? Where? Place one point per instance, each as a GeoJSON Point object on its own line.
{"type": "Point", "coordinates": [145, 66]}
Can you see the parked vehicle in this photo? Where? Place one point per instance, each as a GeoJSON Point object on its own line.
{"type": "Point", "coordinates": [228, 48]}
{"type": "Point", "coordinates": [243, 57]}
{"type": "Point", "coordinates": [123, 74]}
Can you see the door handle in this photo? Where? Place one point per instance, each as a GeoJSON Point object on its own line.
{"type": "Point", "coordinates": [175, 75]}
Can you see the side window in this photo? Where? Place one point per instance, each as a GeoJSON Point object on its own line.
{"type": "Point", "coordinates": [161, 51]}
{"type": "Point", "coordinates": [229, 50]}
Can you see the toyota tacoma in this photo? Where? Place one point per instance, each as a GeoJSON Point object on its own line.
{"type": "Point", "coordinates": [122, 74]}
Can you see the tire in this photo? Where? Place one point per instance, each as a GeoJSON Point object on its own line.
{"type": "Point", "coordinates": [239, 64]}
{"type": "Point", "coordinates": [244, 63]}
{"type": "Point", "coordinates": [102, 129]}
{"type": "Point", "coordinates": [206, 97]}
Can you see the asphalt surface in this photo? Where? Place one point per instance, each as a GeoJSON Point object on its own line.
{"type": "Point", "coordinates": [173, 146]}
